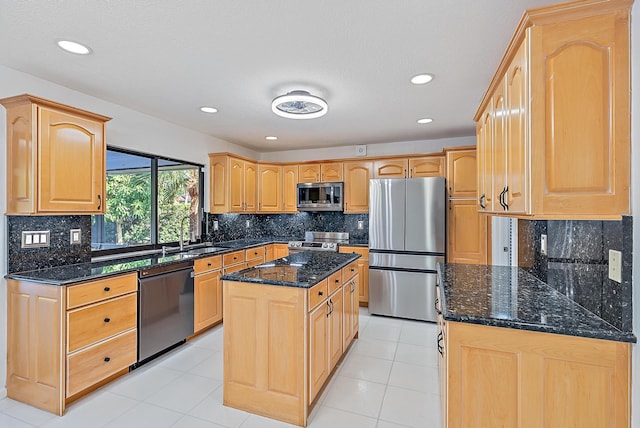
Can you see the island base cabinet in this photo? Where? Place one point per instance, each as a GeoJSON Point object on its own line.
{"type": "Point", "coordinates": [500, 377]}
{"type": "Point", "coordinates": [264, 350]}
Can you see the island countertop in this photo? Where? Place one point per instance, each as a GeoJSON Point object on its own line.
{"type": "Point", "coordinates": [303, 269]}
{"type": "Point", "coordinates": [510, 297]}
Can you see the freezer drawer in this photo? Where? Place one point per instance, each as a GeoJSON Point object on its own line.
{"type": "Point", "coordinates": [407, 261]}
{"type": "Point", "coordinates": [402, 294]}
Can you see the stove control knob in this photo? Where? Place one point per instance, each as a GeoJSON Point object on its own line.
{"type": "Point", "coordinates": [325, 245]}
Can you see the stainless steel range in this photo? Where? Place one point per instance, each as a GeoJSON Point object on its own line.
{"type": "Point", "coordinates": [319, 241]}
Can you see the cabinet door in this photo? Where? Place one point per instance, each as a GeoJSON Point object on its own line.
{"type": "Point", "coordinates": [517, 144]}
{"type": "Point", "coordinates": [485, 162]}
{"type": "Point", "coordinates": [318, 349]}
{"type": "Point", "coordinates": [390, 168]}
{"type": "Point", "coordinates": [581, 95]}
{"type": "Point", "coordinates": [309, 173]}
{"type": "Point", "coordinates": [331, 171]}
{"type": "Point", "coordinates": [356, 186]}
{"type": "Point", "coordinates": [335, 328]}
{"type": "Point", "coordinates": [250, 186]}
{"type": "Point", "coordinates": [208, 300]}
{"type": "Point", "coordinates": [219, 184]}
{"type": "Point", "coordinates": [289, 189]}
{"type": "Point", "coordinates": [21, 161]}
{"type": "Point", "coordinates": [467, 240]}
{"type": "Point", "coordinates": [236, 188]}
{"type": "Point", "coordinates": [499, 150]}
{"type": "Point", "coordinates": [355, 306]}
{"type": "Point", "coordinates": [269, 252]}
{"type": "Point", "coordinates": [269, 188]}
{"type": "Point", "coordinates": [429, 166]}
{"type": "Point", "coordinates": [71, 163]}
{"type": "Point", "coordinates": [462, 173]}
{"type": "Point", "coordinates": [280, 251]}
{"type": "Point", "coordinates": [347, 318]}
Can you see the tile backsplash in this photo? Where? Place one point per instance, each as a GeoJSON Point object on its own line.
{"type": "Point", "coordinates": [576, 263]}
{"type": "Point", "coordinates": [234, 226]}
{"type": "Point", "coordinates": [59, 253]}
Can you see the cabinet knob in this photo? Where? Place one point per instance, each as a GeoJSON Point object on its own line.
{"type": "Point", "coordinates": [234, 258]}
{"type": "Point", "coordinates": [320, 293]}
{"type": "Point", "coordinates": [337, 281]}
{"type": "Point", "coordinates": [352, 270]}
{"type": "Point", "coordinates": [107, 289]}
{"type": "Point", "coordinates": [209, 264]}
{"type": "Point", "coordinates": [107, 359]}
{"type": "Point", "coordinates": [107, 319]}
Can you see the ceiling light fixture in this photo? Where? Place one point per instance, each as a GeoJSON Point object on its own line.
{"type": "Point", "coordinates": [209, 109]}
{"type": "Point", "coordinates": [299, 105]}
{"type": "Point", "coordinates": [271, 138]}
{"type": "Point", "coordinates": [425, 120]}
{"type": "Point", "coordinates": [421, 79]}
{"type": "Point", "coordinates": [74, 47]}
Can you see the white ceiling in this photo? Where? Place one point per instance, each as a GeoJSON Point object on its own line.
{"type": "Point", "coordinates": [168, 58]}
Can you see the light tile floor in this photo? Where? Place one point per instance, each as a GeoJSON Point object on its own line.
{"type": "Point", "coordinates": [388, 379]}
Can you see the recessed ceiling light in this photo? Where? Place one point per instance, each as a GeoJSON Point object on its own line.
{"type": "Point", "coordinates": [421, 79]}
{"type": "Point", "coordinates": [299, 105]}
{"type": "Point", "coordinates": [425, 120]}
{"type": "Point", "coordinates": [74, 47]}
{"type": "Point", "coordinates": [271, 138]}
{"type": "Point", "coordinates": [209, 109]}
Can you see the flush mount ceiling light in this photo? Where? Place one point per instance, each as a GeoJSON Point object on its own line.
{"type": "Point", "coordinates": [271, 138]}
{"type": "Point", "coordinates": [209, 109]}
{"type": "Point", "coordinates": [74, 47]}
{"type": "Point", "coordinates": [425, 120]}
{"type": "Point", "coordinates": [421, 79]}
{"type": "Point", "coordinates": [299, 105]}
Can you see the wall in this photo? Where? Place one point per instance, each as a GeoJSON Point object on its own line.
{"type": "Point", "coordinates": [635, 200]}
{"type": "Point", "coordinates": [373, 150]}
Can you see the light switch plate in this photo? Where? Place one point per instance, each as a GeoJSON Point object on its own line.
{"type": "Point", "coordinates": [248, 224]}
{"type": "Point", "coordinates": [215, 225]}
{"type": "Point", "coordinates": [35, 238]}
{"type": "Point", "coordinates": [360, 224]}
{"type": "Point", "coordinates": [615, 266]}
{"type": "Point", "coordinates": [543, 244]}
{"type": "Point", "coordinates": [75, 236]}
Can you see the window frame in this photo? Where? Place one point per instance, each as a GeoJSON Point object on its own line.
{"type": "Point", "coordinates": [154, 204]}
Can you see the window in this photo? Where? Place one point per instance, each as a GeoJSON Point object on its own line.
{"type": "Point", "coordinates": [149, 199]}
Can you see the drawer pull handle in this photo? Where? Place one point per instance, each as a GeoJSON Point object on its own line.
{"type": "Point", "coordinates": [337, 281]}
{"type": "Point", "coordinates": [107, 289]}
{"type": "Point", "coordinates": [320, 293]}
{"type": "Point", "coordinates": [107, 359]}
{"type": "Point", "coordinates": [209, 264]}
{"type": "Point", "coordinates": [107, 319]}
{"type": "Point", "coordinates": [235, 258]}
{"type": "Point", "coordinates": [352, 270]}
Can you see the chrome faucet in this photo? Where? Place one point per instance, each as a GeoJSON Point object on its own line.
{"type": "Point", "coordinates": [182, 232]}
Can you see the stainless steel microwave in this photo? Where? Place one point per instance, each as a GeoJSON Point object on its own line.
{"type": "Point", "coordinates": [320, 196]}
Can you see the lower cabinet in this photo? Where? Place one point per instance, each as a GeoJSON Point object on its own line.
{"type": "Point", "coordinates": [280, 251]}
{"type": "Point", "coordinates": [63, 341]}
{"type": "Point", "coordinates": [207, 292]}
{"type": "Point", "coordinates": [363, 271]}
{"type": "Point", "coordinates": [514, 378]}
{"type": "Point", "coordinates": [467, 240]}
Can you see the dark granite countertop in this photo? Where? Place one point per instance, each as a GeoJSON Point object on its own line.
{"type": "Point", "coordinates": [303, 269]}
{"type": "Point", "coordinates": [357, 243]}
{"type": "Point", "coordinates": [510, 297]}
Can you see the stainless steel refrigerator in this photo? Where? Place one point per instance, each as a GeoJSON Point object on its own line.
{"type": "Point", "coordinates": [406, 241]}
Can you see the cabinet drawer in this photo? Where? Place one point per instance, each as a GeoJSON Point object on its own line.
{"type": "Point", "coordinates": [97, 322]}
{"type": "Point", "coordinates": [363, 251]}
{"type": "Point", "coordinates": [234, 268]}
{"type": "Point", "coordinates": [207, 264]}
{"type": "Point", "coordinates": [94, 291]}
{"type": "Point", "coordinates": [254, 253]}
{"type": "Point", "coordinates": [232, 258]}
{"type": "Point", "coordinates": [349, 271]}
{"type": "Point", "coordinates": [318, 293]}
{"type": "Point", "coordinates": [255, 262]}
{"type": "Point", "coordinates": [335, 281]}
{"type": "Point", "coordinates": [91, 365]}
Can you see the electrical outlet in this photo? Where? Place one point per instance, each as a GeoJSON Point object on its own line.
{"type": "Point", "coordinates": [35, 238]}
{"type": "Point", "coordinates": [543, 245]}
{"type": "Point", "coordinates": [248, 224]}
{"type": "Point", "coordinates": [75, 236]}
{"type": "Point", "coordinates": [215, 225]}
{"type": "Point", "coordinates": [615, 266]}
{"type": "Point", "coordinates": [360, 224]}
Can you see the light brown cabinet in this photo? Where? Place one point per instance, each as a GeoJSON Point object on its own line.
{"type": "Point", "coordinates": [505, 377]}
{"type": "Point", "coordinates": [320, 172]}
{"type": "Point", "coordinates": [390, 168]}
{"type": "Point", "coordinates": [64, 341]}
{"type": "Point", "coordinates": [289, 188]}
{"type": "Point", "coordinates": [363, 272]}
{"type": "Point", "coordinates": [461, 173]}
{"type": "Point", "coordinates": [280, 251]}
{"type": "Point", "coordinates": [207, 292]}
{"type": "Point", "coordinates": [44, 139]}
{"type": "Point", "coordinates": [233, 184]}
{"type": "Point", "coordinates": [562, 149]}
{"type": "Point", "coordinates": [356, 186]}
{"type": "Point", "coordinates": [426, 166]}
{"type": "Point", "coordinates": [269, 188]}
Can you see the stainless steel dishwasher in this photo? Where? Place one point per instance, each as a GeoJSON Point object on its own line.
{"type": "Point", "coordinates": [165, 308]}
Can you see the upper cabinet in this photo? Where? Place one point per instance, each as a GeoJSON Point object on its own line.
{"type": "Point", "coordinates": [461, 173]}
{"type": "Point", "coordinates": [289, 188]}
{"type": "Point", "coordinates": [55, 158]}
{"type": "Point", "coordinates": [554, 126]}
{"type": "Point", "coordinates": [426, 166]}
{"type": "Point", "coordinates": [356, 186]}
{"type": "Point", "coordinates": [233, 184]}
{"type": "Point", "coordinates": [269, 188]}
{"type": "Point", "coordinates": [320, 172]}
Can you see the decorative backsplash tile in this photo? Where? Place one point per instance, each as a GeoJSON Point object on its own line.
{"type": "Point", "coordinates": [234, 226]}
{"type": "Point", "coordinates": [576, 263]}
{"type": "Point", "coordinates": [59, 253]}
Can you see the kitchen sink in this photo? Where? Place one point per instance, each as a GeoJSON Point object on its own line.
{"type": "Point", "coordinates": [204, 250]}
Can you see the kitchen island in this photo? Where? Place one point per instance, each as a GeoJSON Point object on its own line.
{"type": "Point", "coordinates": [287, 324]}
{"type": "Point", "coordinates": [515, 352]}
